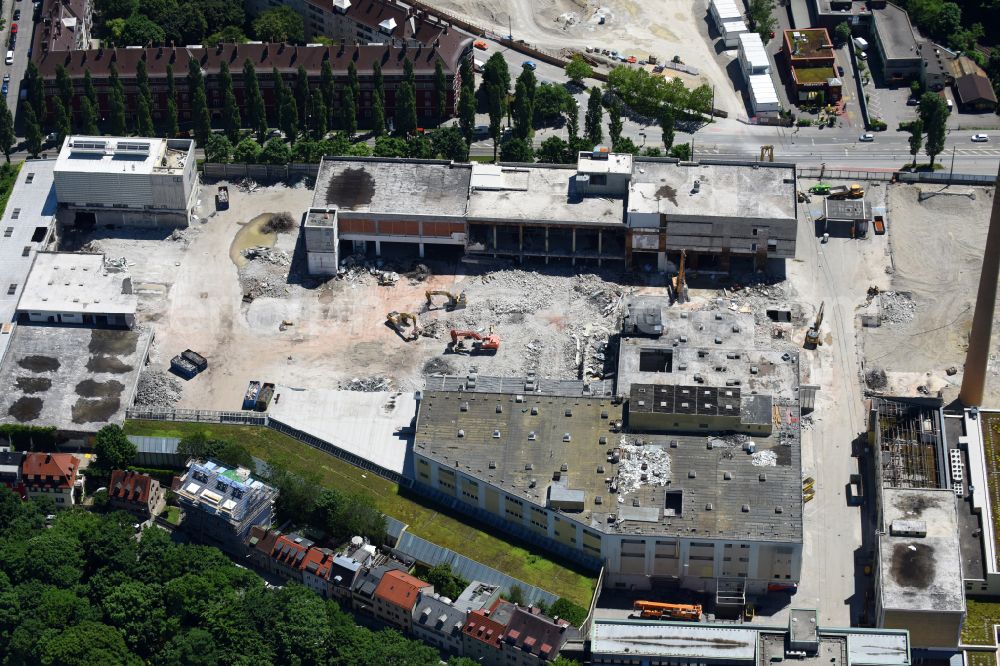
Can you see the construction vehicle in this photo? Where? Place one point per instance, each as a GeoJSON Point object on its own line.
{"type": "Point", "coordinates": [803, 197]}
{"type": "Point", "coordinates": [820, 188]}
{"type": "Point", "coordinates": [768, 152]}
{"type": "Point", "coordinates": [482, 344]}
{"type": "Point", "coordinates": [222, 198]}
{"type": "Point", "coordinates": [854, 191]}
{"type": "Point", "coordinates": [678, 283]}
{"type": "Point", "coordinates": [399, 322]}
{"type": "Point", "coordinates": [454, 302]}
{"type": "Point", "coordinates": [879, 225]}
{"type": "Point", "coordinates": [661, 611]}
{"type": "Point", "coordinates": [812, 335]}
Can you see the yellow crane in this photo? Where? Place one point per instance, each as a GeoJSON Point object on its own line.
{"type": "Point", "coordinates": [454, 302]}
{"type": "Point", "coordinates": [766, 151]}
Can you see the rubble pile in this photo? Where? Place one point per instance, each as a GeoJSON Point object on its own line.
{"type": "Point", "coordinates": [356, 268]}
{"type": "Point", "coordinates": [641, 465]}
{"type": "Point", "coordinates": [157, 389]}
{"type": "Point", "coordinates": [764, 458]}
{"type": "Point", "coordinates": [373, 384]}
{"type": "Point", "coordinates": [876, 379]}
{"type": "Point", "coordinates": [265, 273]}
{"type": "Point", "coordinates": [897, 307]}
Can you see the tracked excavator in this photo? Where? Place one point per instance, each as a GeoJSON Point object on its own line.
{"type": "Point", "coordinates": [454, 302]}
{"type": "Point", "coordinates": [480, 344]}
{"type": "Point", "coordinates": [399, 322]}
{"type": "Point", "coordinates": [812, 335]}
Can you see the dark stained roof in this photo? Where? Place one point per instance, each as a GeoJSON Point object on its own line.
{"type": "Point", "coordinates": [265, 57]}
{"type": "Point", "coordinates": [532, 632]}
{"type": "Point", "coordinates": [974, 88]}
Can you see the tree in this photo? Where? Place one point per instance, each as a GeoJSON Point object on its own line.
{"type": "Point", "coordinates": [406, 101]}
{"type": "Point", "coordinates": [515, 595]}
{"type": "Point", "coordinates": [593, 122]}
{"type": "Point", "coordinates": [348, 113]}
{"type": "Point", "coordinates": [199, 102]}
{"type": "Point", "coordinates": [496, 73]}
{"type": "Point", "coordinates": [449, 143]}
{"type": "Point", "coordinates": [681, 151]}
{"type": "Point", "coordinates": [554, 151]}
{"type": "Point", "coordinates": [378, 100]}
{"type": "Point", "coordinates": [231, 120]}
{"type": "Point", "coordinates": [117, 124]}
{"type": "Point", "coordinates": [916, 130]}
{"type": "Point", "coordinates": [254, 101]}
{"type": "Point", "coordinates": [144, 113]}
{"type": "Point", "coordinates": [288, 114]}
{"type": "Point", "coordinates": [573, 126]}
{"type": "Point", "coordinates": [516, 150]}
{"type": "Point", "coordinates": [524, 104]}
{"type": "Point", "coordinates": [172, 127]}
{"type": "Point", "coordinates": [390, 146]}
{"type": "Point", "coordinates": [761, 18]}
{"type": "Point", "coordinates": [355, 84]}
{"type": "Point", "coordinates": [700, 99]}
{"type": "Point", "coordinates": [61, 119]}
{"type": "Point", "coordinates": [615, 124]}
{"type": "Point", "coordinates": [7, 137]}
{"type": "Point", "coordinates": [87, 644]}
{"type": "Point", "coordinates": [308, 151]}
{"type": "Point", "coordinates": [569, 611]}
{"type": "Point", "coordinates": [36, 96]}
{"type": "Point", "coordinates": [88, 118]}
{"type": "Point", "coordinates": [302, 100]}
{"type": "Point", "coordinates": [843, 32]}
{"type": "Point", "coordinates": [328, 91]}
{"type": "Point", "coordinates": [577, 69]}
{"type": "Point", "coordinates": [281, 24]}
{"type": "Point", "coordinates": [440, 90]}
{"type": "Point", "coordinates": [275, 151]}
{"type": "Point", "coordinates": [318, 115]}
{"type": "Point", "coordinates": [65, 86]}
{"type": "Point", "coordinates": [467, 101]}
{"type": "Point", "coordinates": [90, 93]}
{"type": "Point", "coordinates": [113, 448]}
{"type": "Point", "coordinates": [134, 609]}
{"type": "Point", "coordinates": [551, 101]}
{"type": "Point", "coordinates": [218, 149]}
{"type": "Point", "coordinates": [667, 122]}
{"type": "Point", "coordinates": [446, 582]}
{"type": "Point", "coordinates": [933, 112]}
{"type": "Point", "coordinates": [247, 152]}
{"type": "Point", "coordinates": [418, 146]}
{"type": "Point", "coordinates": [495, 95]}
{"type": "Point", "coordinates": [138, 30]}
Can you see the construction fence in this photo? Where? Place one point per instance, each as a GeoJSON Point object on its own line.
{"type": "Point", "coordinates": [259, 172]}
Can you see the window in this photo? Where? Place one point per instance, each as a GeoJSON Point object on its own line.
{"type": "Point", "coordinates": [12, 289]}
{"type": "Point", "coordinates": [16, 214]}
{"type": "Point", "coordinates": [772, 245]}
{"type": "Point", "coordinates": [753, 247]}
{"type": "Point", "coordinates": [8, 232]}
{"type": "Point", "coordinates": [598, 179]}
{"type": "Point", "coordinates": [755, 231]}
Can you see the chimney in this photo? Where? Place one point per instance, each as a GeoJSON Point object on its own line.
{"type": "Point", "coordinates": [974, 378]}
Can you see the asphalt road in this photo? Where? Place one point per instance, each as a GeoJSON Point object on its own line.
{"type": "Point", "coordinates": [24, 38]}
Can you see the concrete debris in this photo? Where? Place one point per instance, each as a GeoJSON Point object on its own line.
{"type": "Point", "coordinates": [420, 273]}
{"type": "Point", "coordinates": [764, 458]}
{"type": "Point", "coordinates": [156, 388]}
{"type": "Point", "coordinates": [265, 273]}
{"type": "Point", "coordinates": [876, 379]}
{"type": "Point", "coordinates": [439, 366]}
{"type": "Point", "coordinates": [641, 465]}
{"type": "Point", "coordinates": [267, 254]}
{"type": "Point", "coordinates": [92, 246]}
{"type": "Point", "coordinates": [951, 371]}
{"type": "Point", "coordinates": [356, 268]}
{"type": "Point", "coordinates": [248, 185]}
{"type": "Point", "coordinates": [367, 384]}
{"type": "Point", "coordinates": [897, 307]}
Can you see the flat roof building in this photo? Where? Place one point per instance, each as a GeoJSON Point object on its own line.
{"type": "Point", "coordinates": [752, 56]}
{"type": "Point", "coordinates": [126, 180]}
{"type": "Point", "coordinates": [846, 217]}
{"type": "Point", "coordinates": [722, 11]}
{"type": "Point", "coordinates": [896, 43]}
{"type": "Point", "coordinates": [763, 96]}
{"type": "Point", "coordinates": [78, 288]}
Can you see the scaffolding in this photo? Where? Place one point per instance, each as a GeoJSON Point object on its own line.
{"type": "Point", "coordinates": [909, 437]}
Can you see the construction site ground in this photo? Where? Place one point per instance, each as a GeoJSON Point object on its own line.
{"type": "Point", "coordinates": [633, 28]}
{"type": "Point", "coordinates": [423, 518]}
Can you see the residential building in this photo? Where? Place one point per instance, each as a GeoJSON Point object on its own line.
{"type": "Point", "coordinates": [450, 50]}
{"type": "Point", "coordinates": [53, 475]}
{"type": "Point", "coordinates": [139, 494]}
{"type": "Point", "coordinates": [810, 57]}
{"type": "Point", "coordinates": [367, 581]}
{"type": "Point", "coordinates": [897, 46]}
{"type": "Point", "coordinates": [935, 66]}
{"type": "Point", "coordinates": [131, 181]}
{"type": "Point", "coordinates": [10, 471]}
{"type": "Point", "coordinates": [316, 568]}
{"type": "Point", "coordinates": [65, 25]}
{"type": "Point", "coordinates": [531, 638]}
{"type": "Point", "coordinates": [722, 12]}
{"type": "Point", "coordinates": [974, 94]}
{"type": "Point", "coordinates": [78, 288]}
{"type": "Point", "coordinates": [658, 643]}
{"type": "Point", "coordinates": [482, 635]}
{"type": "Point", "coordinates": [395, 596]}
{"type": "Point", "coordinates": [477, 596]}
{"type": "Point", "coordinates": [348, 565]}
{"type": "Point", "coordinates": [221, 505]}
{"type": "Point", "coordinates": [437, 622]}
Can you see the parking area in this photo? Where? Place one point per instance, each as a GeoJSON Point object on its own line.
{"type": "Point", "coordinates": [20, 13]}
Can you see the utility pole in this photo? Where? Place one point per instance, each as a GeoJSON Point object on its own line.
{"type": "Point", "coordinates": [951, 173]}
{"type": "Point", "coordinates": [711, 111]}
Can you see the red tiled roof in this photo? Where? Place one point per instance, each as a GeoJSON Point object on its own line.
{"type": "Point", "coordinates": [399, 589]}
{"type": "Point", "coordinates": [130, 486]}
{"type": "Point", "coordinates": [483, 628]}
{"type": "Point", "coordinates": [62, 467]}
{"type": "Point", "coordinates": [321, 558]}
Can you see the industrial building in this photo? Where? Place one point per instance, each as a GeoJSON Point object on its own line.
{"type": "Point", "coordinates": [611, 209]}
{"type": "Point", "coordinates": [803, 641]}
{"type": "Point", "coordinates": [221, 504]}
{"type": "Point", "coordinates": [847, 218]}
{"type": "Point", "coordinates": [78, 288]}
{"type": "Point", "coordinates": [918, 570]}
{"type": "Point", "coordinates": [126, 181]}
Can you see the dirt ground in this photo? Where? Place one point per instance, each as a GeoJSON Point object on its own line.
{"type": "Point", "coordinates": [936, 255]}
{"type": "Point", "coordinates": [664, 29]}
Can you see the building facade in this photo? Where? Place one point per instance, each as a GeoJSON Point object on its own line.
{"type": "Point", "coordinates": [395, 596]}
{"type": "Point", "coordinates": [810, 57]}
{"type": "Point", "coordinates": [10, 472]}
{"type": "Point", "coordinates": [78, 288]}
{"type": "Point", "coordinates": [53, 475]}
{"type": "Point", "coordinates": [437, 622]}
{"type": "Point", "coordinates": [139, 494]}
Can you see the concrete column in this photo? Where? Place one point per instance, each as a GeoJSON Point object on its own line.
{"type": "Point", "coordinates": [599, 250]}
{"type": "Point", "coordinates": [421, 249]}
{"type": "Point", "coordinates": [520, 243]}
{"type": "Point", "coordinates": [494, 238]}
{"type": "Point", "coordinates": [378, 248]}
{"type": "Point", "coordinates": [974, 379]}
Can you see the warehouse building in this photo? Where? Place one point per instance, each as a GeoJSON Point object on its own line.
{"type": "Point", "coordinates": [78, 288]}
{"type": "Point", "coordinates": [126, 181]}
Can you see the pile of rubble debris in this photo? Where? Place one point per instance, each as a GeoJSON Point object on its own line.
{"type": "Point", "coordinates": [265, 273]}
{"type": "Point", "coordinates": [356, 268]}
{"type": "Point", "coordinates": [641, 465]}
{"type": "Point", "coordinates": [156, 388]}
{"type": "Point", "coordinates": [897, 307]}
{"type": "Point", "coordinates": [366, 384]}
{"type": "Point", "coordinates": [764, 458]}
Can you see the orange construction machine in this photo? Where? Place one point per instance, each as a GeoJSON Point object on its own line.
{"type": "Point", "coordinates": [660, 611]}
{"type": "Point", "coordinates": [489, 343]}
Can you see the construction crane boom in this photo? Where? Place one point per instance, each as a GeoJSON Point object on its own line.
{"type": "Point", "coordinates": [812, 335]}
{"type": "Point", "coordinates": [657, 610]}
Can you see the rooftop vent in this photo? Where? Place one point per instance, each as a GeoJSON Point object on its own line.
{"type": "Point", "coordinates": [464, 407]}
{"type": "Point", "coordinates": [692, 474]}
{"type": "Point", "coordinates": [567, 437]}
{"type": "Point", "coordinates": [708, 507]}
{"type": "Point", "coordinates": [461, 433]}
{"type": "Point", "coordinates": [532, 436]}
{"type": "Point", "coordinates": [534, 411]}
{"type": "Point", "coordinates": [727, 476]}
{"type": "Point", "coordinates": [493, 464]}
{"type": "Point", "coordinates": [496, 434]}
{"type": "Point", "coordinates": [528, 467]}
{"type": "Point", "coordinates": [745, 508]}
{"type": "Point", "coordinates": [499, 409]}
{"type": "Point", "coordinates": [569, 412]}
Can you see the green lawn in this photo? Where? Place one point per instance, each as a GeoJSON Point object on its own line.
{"type": "Point", "coordinates": [814, 74]}
{"type": "Point", "coordinates": [172, 515]}
{"type": "Point", "coordinates": [425, 519]}
{"type": "Point", "coordinates": [979, 620]}
{"type": "Point", "coordinates": [981, 658]}
{"type": "Point", "coordinates": [8, 174]}
{"type": "Point", "coordinates": [991, 446]}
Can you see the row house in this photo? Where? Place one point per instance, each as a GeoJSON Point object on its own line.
{"type": "Point", "coordinates": [139, 494]}
{"type": "Point", "coordinates": [292, 557]}
{"type": "Point", "coordinates": [395, 596]}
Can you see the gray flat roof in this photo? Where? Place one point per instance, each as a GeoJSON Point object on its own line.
{"type": "Point", "coordinates": [495, 447]}
{"type": "Point", "coordinates": [546, 386]}
{"type": "Point", "coordinates": [35, 203]}
{"type": "Point", "coordinates": [524, 193]}
{"type": "Point", "coordinates": [733, 644]}
{"type": "Point", "coordinates": [393, 187]}
{"type": "Point", "coordinates": [77, 282]}
{"type": "Point", "coordinates": [847, 209]}
{"type": "Point", "coordinates": [892, 25]}
{"type": "Point", "coordinates": [75, 379]}
{"type": "Point", "coordinates": [725, 190]}
{"type": "Point", "coordinates": [921, 573]}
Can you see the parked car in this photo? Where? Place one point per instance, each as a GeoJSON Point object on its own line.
{"type": "Point", "coordinates": [3, 89]}
{"type": "Point", "coordinates": [912, 101]}
{"type": "Point", "coordinates": [17, 14]}
{"type": "Point", "coordinates": [840, 70]}
{"type": "Point", "coordinates": [480, 44]}
{"type": "Point", "coordinates": [980, 138]}
{"type": "Point", "coordinates": [6, 77]}
{"type": "Point", "coordinates": [866, 137]}
{"type": "Point", "coordinates": [13, 28]}
{"type": "Point", "coordinates": [631, 59]}
{"type": "Point", "coordinates": [481, 130]}
{"type": "Point", "coordinates": [530, 64]}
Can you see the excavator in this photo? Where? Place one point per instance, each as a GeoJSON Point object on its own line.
{"type": "Point", "coordinates": [661, 611]}
{"type": "Point", "coordinates": [399, 321]}
{"type": "Point", "coordinates": [812, 335]}
{"type": "Point", "coordinates": [454, 302]}
{"type": "Point", "coordinates": [482, 344]}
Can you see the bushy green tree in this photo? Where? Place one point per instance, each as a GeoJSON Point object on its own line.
{"type": "Point", "coordinates": [577, 69]}
{"type": "Point", "coordinates": [445, 581]}
{"type": "Point", "coordinates": [113, 448]}
{"type": "Point", "coordinates": [681, 151]}
{"type": "Point", "coordinates": [218, 149]}
{"type": "Point", "coordinates": [247, 151]}
{"type": "Point", "coordinates": [449, 144]}
{"type": "Point", "coordinates": [516, 150]}
{"type": "Point", "coordinates": [843, 32]}
{"type": "Point", "coordinates": [254, 101]}
{"type": "Point", "coordinates": [280, 24]}
{"type": "Point", "coordinates": [555, 151]}
{"type": "Point", "coordinates": [593, 122]}
{"type": "Point", "coordinates": [7, 136]}
{"type": "Point", "coordinates": [933, 112]}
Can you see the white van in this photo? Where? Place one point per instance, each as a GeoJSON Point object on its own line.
{"type": "Point", "coordinates": [10, 58]}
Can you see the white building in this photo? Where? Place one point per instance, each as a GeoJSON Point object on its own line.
{"type": "Point", "coordinates": [723, 11]}
{"type": "Point", "coordinates": [134, 181]}
{"type": "Point", "coordinates": [78, 288]}
{"type": "Point", "coordinates": [763, 96]}
{"type": "Point", "coordinates": [731, 31]}
{"type": "Point", "coordinates": [320, 232]}
{"type": "Point", "coordinates": [752, 56]}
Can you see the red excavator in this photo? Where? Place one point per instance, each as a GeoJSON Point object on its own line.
{"type": "Point", "coordinates": [483, 344]}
